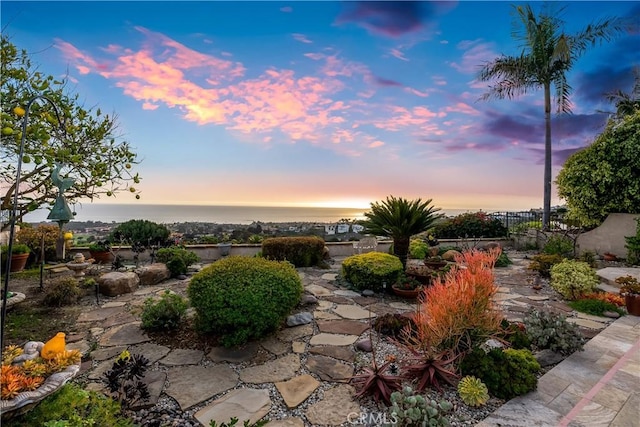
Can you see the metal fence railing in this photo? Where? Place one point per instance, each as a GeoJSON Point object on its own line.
{"type": "Point", "coordinates": [518, 222]}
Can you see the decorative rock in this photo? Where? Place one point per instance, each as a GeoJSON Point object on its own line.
{"type": "Point", "coordinates": [491, 344]}
{"type": "Point", "coordinates": [153, 274]}
{"type": "Point", "coordinates": [307, 299]}
{"type": "Point", "coordinates": [190, 385]}
{"type": "Point", "coordinates": [317, 290]}
{"type": "Point", "coordinates": [368, 293]}
{"type": "Point", "coordinates": [181, 356]}
{"type": "Point", "coordinates": [297, 390]}
{"type": "Point", "coordinates": [115, 283]}
{"type": "Point", "coordinates": [491, 245]}
{"type": "Point", "coordinates": [364, 345]}
{"type": "Point", "coordinates": [181, 277]}
{"type": "Point", "coordinates": [346, 293]}
{"type": "Point", "coordinates": [335, 408]}
{"type": "Point", "coordinates": [243, 404]}
{"type": "Point", "coordinates": [329, 369]}
{"type": "Point", "coordinates": [299, 319]}
{"type": "Point", "coordinates": [233, 355]}
{"type": "Point", "coordinates": [333, 339]}
{"type": "Point", "coordinates": [280, 369]}
{"type": "Point", "coordinates": [324, 305]}
{"type": "Point", "coordinates": [548, 357]}
{"type": "Point", "coordinates": [329, 276]}
{"type": "Point", "coordinates": [450, 255]}
{"type": "Point", "coordinates": [347, 327]}
{"type": "Point", "coordinates": [342, 353]}
{"type": "Point", "coordinates": [352, 312]}
{"type": "Point", "coordinates": [611, 314]}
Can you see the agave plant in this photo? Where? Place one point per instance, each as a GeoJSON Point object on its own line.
{"type": "Point", "coordinates": [375, 380]}
{"type": "Point", "coordinates": [400, 219]}
{"type": "Point", "coordinates": [431, 369]}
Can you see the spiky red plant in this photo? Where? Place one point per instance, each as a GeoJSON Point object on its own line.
{"type": "Point", "coordinates": [431, 369]}
{"type": "Point", "coordinates": [375, 381]}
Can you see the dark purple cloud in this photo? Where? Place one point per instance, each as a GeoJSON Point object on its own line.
{"type": "Point", "coordinates": [558, 157]}
{"type": "Point", "coordinates": [392, 18]}
{"type": "Point", "coordinates": [592, 86]}
{"type": "Point", "coordinates": [386, 82]}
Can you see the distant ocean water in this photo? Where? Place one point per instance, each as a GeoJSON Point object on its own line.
{"type": "Point", "coordinates": [168, 214]}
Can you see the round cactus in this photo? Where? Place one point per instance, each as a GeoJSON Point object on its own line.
{"type": "Point", "coordinates": [472, 391]}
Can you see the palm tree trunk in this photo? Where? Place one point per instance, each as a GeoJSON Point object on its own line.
{"type": "Point", "coordinates": [546, 212]}
{"type": "Point", "coordinates": [401, 249]}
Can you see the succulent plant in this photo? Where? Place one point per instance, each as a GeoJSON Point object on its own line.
{"type": "Point", "coordinates": [472, 391]}
{"type": "Point", "coordinates": [409, 409]}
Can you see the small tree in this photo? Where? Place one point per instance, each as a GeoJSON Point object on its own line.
{"type": "Point", "coordinates": [400, 219]}
{"type": "Point", "coordinates": [89, 150]}
{"type": "Point", "coordinates": [605, 176]}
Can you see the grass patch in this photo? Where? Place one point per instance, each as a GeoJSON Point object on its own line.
{"type": "Point", "coordinates": [32, 273]}
{"type": "Point", "coordinates": [594, 307]}
{"type": "Point", "coordinates": [36, 323]}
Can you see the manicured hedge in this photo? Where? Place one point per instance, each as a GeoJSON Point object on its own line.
{"type": "Point", "coordinates": [300, 251]}
{"type": "Point", "coordinates": [371, 270]}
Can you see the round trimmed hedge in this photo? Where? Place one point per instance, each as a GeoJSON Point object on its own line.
{"type": "Point", "coordinates": [371, 270]}
{"type": "Point", "coordinates": [243, 298]}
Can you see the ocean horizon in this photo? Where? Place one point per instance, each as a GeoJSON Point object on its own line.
{"type": "Point", "coordinates": [169, 214]}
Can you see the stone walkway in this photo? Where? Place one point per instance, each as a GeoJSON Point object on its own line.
{"type": "Point", "coordinates": [303, 368]}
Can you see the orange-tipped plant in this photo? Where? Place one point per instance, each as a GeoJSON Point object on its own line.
{"type": "Point", "coordinates": [458, 311]}
{"type": "Point", "coordinates": [606, 297]}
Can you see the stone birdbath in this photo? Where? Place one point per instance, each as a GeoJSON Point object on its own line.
{"type": "Point", "coordinates": [78, 265]}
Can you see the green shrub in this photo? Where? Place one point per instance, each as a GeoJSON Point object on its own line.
{"type": "Point", "coordinates": [572, 278]}
{"type": "Point", "coordinates": [140, 234]}
{"type": "Point", "coordinates": [552, 331]}
{"type": "Point", "coordinates": [371, 270]}
{"type": "Point", "coordinates": [165, 313]}
{"type": "Point", "coordinates": [526, 225]}
{"type": "Point", "coordinates": [588, 257]}
{"type": "Point", "coordinates": [470, 224]}
{"type": "Point", "coordinates": [33, 236]}
{"type": "Point", "coordinates": [543, 263]}
{"type": "Point", "coordinates": [242, 298]}
{"type": "Point", "coordinates": [594, 306]}
{"type": "Point", "coordinates": [418, 249]}
{"type": "Point", "coordinates": [63, 291]}
{"type": "Point", "coordinates": [503, 260]}
{"type": "Point", "coordinates": [515, 334]}
{"type": "Point", "coordinates": [506, 373]}
{"type": "Point", "coordinates": [74, 407]}
{"type": "Point", "coordinates": [300, 251]}
{"type": "Point", "coordinates": [558, 245]}
{"type": "Point", "coordinates": [633, 245]}
{"type": "Point", "coordinates": [177, 259]}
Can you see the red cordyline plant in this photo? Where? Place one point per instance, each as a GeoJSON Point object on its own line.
{"type": "Point", "coordinates": [454, 313]}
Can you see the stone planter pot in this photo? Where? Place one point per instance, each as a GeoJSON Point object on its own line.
{"type": "Point", "coordinates": [406, 293]}
{"type": "Point", "coordinates": [633, 304]}
{"type": "Point", "coordinates": [225, 249]}
{"type": "Point", "coordinates": [102, 257]}
{"type": "Point", "coordinates": [435, 265]}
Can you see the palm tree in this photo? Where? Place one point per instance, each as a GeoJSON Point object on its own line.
{"type": "Point", "coordinates": [400, 219]}
{"type": "Point", "coordinates": [547, 55]}
{"type": "Point", "coordinates": [626, 103]}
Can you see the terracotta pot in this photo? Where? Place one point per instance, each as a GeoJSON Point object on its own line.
{"type": "Point", "coordinates": [102, 257]}
{"type": "Point", "coordinates": [609, 257]}
{"type": "Point", "coordinates": [424, 279]}
{"type": "Point", "coordinates": [633, 304]}
{"type": "Point", "coordinates": [18, 262]}
{"type": "Point", "coordinates": [406, 293]}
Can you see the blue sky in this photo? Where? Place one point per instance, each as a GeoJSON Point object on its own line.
{"type": "Point", "coordinates": [320, 103]}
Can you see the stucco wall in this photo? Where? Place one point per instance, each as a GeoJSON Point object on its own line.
{"type": "Point", "coordinates": [609, 236]}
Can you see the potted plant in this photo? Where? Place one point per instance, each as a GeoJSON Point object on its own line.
{"type": "Point", "coordinates": [407, 287]}
{"type": "Point", "coordinates": [419, 272]}
{"type": "Point", "coordinates": [19, 255]}
{"type": "Point", "coordinates": [630, 289]}
{"type": "Point", "coordinates": [435, 262]}
{"type": "Point", "coordinates": [100, 251]}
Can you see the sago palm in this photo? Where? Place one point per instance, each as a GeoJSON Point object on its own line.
{"type": "Point", "coordinates": [548, 54]}
{"type": "Point", "coordinates": [400, 219]}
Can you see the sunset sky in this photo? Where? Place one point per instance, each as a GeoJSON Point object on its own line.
{"type": "Point", "coordinates": [320, 103]}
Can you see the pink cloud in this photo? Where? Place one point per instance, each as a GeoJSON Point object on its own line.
{"type": "Point", "coordinates": [416, 92]}
{"type": "Point", "coordinates": [149, 106]}
{"type": "Point", "coordinates": [398, 54]}
{"type": "Point", "coordinates": [475, 54]}
{"type": "Point", "coordinates": [462, 108]}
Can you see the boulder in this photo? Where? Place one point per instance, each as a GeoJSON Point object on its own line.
{"type": "Point", "coordinates": [450, 255]}
{"type": "Point", "coordinates": [491, 245]}
{"type": "Point", "coordinates": [116, 283]}
{"type": "Point", "coordinates": [153, 274]}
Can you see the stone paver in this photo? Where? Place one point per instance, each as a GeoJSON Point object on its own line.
{"type": "Point", "coordinates": [233, 355]}
{"type": "Point", "coordinates": [182, 356]}
{"type": "Point", "coordinates": [155, 383]}
{"type": "Point", "coordinates": [286, 422]}
{"type": "Point", "coordinates": [343, 353]}
{"type": "Point", "coordinates": [586, 323]}
{"type": "Point", "coordinates": [190, 385]}
{"type": "Point", "coordinates": [334, 408]}
{"type": "Point", "coordinates": [108, 353]}
{"type": "Point", "coordinates": [346, 293]}
{"type": "Point", "coordinates": [280, 369]}
{"type": "Point", "coordinates": [347, 327]}
{"type": "Point", "coordinates": [297, 390]}
{"type": "Point", "coordinates": [99, 314]}
{"type": "Point", "coordinates": [329, 369]}
{"type": "Point", "coordinates": [153, 352]}
{"type": "Point", "coordinates": [317, 290]}
{"type": "Point", "coordinates": [354, 312]}
{"type": "Point", "coordinates": [325, 315]}
{"type": "Point", "coordinates": [294, 333]}
{"type": "Point", "coordinates": [276, 346]}
{"type": "Point", "coordinates": [329, 276]}
{"type": "Point", "coordinates": [333, 339]}
{"type": "Point", "coordinates": [610, 274]}
{"type": "Point", "coordinates": [243, 404]}
{"type": "Point", "coordinates": [127, 334]}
